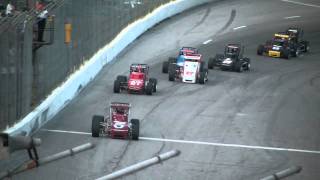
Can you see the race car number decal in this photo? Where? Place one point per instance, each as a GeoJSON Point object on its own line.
{"type": "Point", "coordinates": [135, 83]}
{"type": "Point", "coordinates": [119, 125]}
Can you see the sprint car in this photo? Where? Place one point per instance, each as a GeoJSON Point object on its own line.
{"type": "Point", "coordinates": [138, 81]}
{"type": "Point", "coordinates": [116, 124]}
{"type": "Point", "coordinates": [285, 45]}
{"type": "Point", "coordinates": [192, 71]}
{"type": "Point", "coordinates": [296, 35]}
{"type": "Point", "coordinates": [232, 59]}
{"type": "Point", "coordinates": [184, 51]}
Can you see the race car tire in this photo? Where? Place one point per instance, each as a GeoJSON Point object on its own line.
{"type": "Point", "coordinates": [306, 46]}
{"type": "Point", "coordinates": [248, 66]}
{"type": "Point", "coordinates": [165, 66]}
{"type": "Point", "coordinates": [202, 78]}
{"type": "Point", "coordinates": [172, 72]}
{"type": "Point", "coordinates": [135, 129]}
{"type": "Point", "coordinates": [116, 86]}
{"type": "Point", "coordinates": [286, 54]}
{"type": "Point", "coordinates": [202, 66]}
{"type": "Point", "coordinates": [149, 88]}
{"type": "Point", "coordinates": [260, 50]}
{"type": "Point", "coordinates": [211, 63]}
{"type": "Point", "coordinates": [154, 82]}
{"type": "Point", "coordinates": [295, 52]}
{"type": "Point", "coordinates": [238, 67]}
{"type": "Point", "coordinates": [122, 78]}
{"type": "Point", "coordinates": [95, 126]}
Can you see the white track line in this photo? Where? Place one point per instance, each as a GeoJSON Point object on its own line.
{"type": "Point", "coordinates": [292, 17]}
{"type": "Point", "coordinates": [206, 42]}
{"type": "Point", "coordinates": [69, 132]}
{"type": "Point", "coordinates": [202, 143]}
{"type": "Point", "coordinates": [300, 3]}
{"type": "Point", "coordinates": [240, 27]}
{"type": "Point", "coordinates": [231, 145]}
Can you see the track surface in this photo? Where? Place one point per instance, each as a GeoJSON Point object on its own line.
{"type": "Point", "coordinates": [274, 105]}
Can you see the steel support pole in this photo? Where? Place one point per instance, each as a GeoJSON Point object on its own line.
{"type": "Point", "coordinates": [285, 173]}
{"type": "Point", "coordinates": [32, 164]}
{"type": "Point", "coordinates": [141, 165]}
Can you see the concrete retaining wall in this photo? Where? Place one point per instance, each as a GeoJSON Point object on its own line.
{"type": "Point", "coordinates": [62, 95]}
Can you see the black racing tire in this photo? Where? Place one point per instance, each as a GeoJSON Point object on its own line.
{"type": "Point", "coordinates": [95, 126]}
{"type": "Point", "coordinates": [135, 129]}
{"type": "Point", "coordinates": [306, 45]}
{"type": "Point", "coordinates": [172, 72]}
{"type": "Point", "coordinates": [260, 50]}
{"type": "Point", "coordinates": [202, 66]}
{"type": "Point", "coordinates": [154, 82]}
{"type": "Point", "coordinates": [116, 86]}
{"type": "Point", "coordinates": [248, 66]}
{"type": "Point", "coordinates": [165, 66]}
{"type": "Point", "coordinates": [121, 78]}
{"type": "Point", "coordinates": [211, 63]}
{"type": "Point", "coordinates": [149, 88]}
{"type": "Point", "coordinates": [239, 67]}
{"type": "Point", "coordinates": [285, 54]}
{"type": "Point", "coordinates": [295, 52]}
{"type": "Point", "coordinates": [202, 78]}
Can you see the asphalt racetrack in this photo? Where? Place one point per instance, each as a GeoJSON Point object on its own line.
{"type": "Point", "coordinates": [238, 126]}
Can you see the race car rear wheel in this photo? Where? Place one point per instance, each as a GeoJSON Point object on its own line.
{"type": "Point", "coordinates": [122, 78]}
{"type": "Point", "coordinates": [135, 128]}
{"type": "Point", "coordinates": [116, 86]}
{"type": "Point", "coordinates": [202, 66]}
{"type": "Point", "coordinates": [285, 54]}
{"type": "Point", "coordinates": [306, 45]}
{"type": "Point", "coordinates": [211, 63]}
{"type": "Point", "coordinates": [260, 50]}
{"type": "Point", "coordinates": [165, 66]}
{"type": "Point", "coordinates": [172, 72]}
{"type": "Point", "coordinates": [202, 78]}
{"type": "Point", "coordinates": [295, 52]}
{"type": "Point", "coordinates": [248, 65]}
{"type": "Point", "coordinates": [95, 126]}
{"type": "Point", "coordinates": [239, 67]}
{"type": "Point", "coordinates": [149, 88]}
{"type": "Point", "coordinates": [154, 82]}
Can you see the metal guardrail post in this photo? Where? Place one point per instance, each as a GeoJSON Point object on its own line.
{"type": "Point", "coordinates": [141, 165]}
{"type": "Point", "coordinates": [33, 164]}
{"type": "Point", "coordinates": [285, 173]}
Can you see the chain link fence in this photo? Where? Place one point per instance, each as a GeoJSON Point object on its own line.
{"type": "Point", "coordinates": [28, 74]}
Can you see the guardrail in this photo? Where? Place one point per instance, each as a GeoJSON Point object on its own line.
{"type": "Point", "coordinates": [62, 95]}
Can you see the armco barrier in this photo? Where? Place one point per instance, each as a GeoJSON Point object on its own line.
{"type": "Point", "coordinates": [62, 95]}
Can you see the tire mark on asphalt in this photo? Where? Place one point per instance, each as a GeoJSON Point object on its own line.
{"type": "Point", "coordinates": [313, 80]}
{"type": "Point", "coordinates": [204, 17]}
{"type": "Point", "coordinates": [118, 158]}
{"type": "Point", "coordinates": [231, 19]}
{"type": "Point", "coordinates": [162, 146]}
{"type": "Point", "coordinates": [282, 159]}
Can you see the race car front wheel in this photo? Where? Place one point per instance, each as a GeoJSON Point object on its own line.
{"type": "Point", "coordinates": [260, 50]}
{"type": "Point", "coordinates": [135, 128]}
{"type": "Point", "coordinates": [116, 86]}
{"type": "Point", "coordinates": [154, 82]}
{"type": "Point", "coordinates": [95, 126]}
